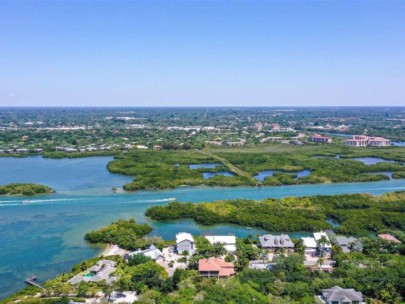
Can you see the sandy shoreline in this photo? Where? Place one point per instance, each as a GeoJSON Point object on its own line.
{"type": "Point", "coordinates": [113, 250]}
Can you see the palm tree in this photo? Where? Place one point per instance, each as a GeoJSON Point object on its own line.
{"type": "Point", "coordinates": [320, 262]}
{"type": "Point", "coordinates": [321, 243]}
{"type": "Point", "coordinates": [299, 246]}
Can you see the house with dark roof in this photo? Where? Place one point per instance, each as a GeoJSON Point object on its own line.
{"type": "Point", "coordinates": [269, 241]}
{"type": "Point", "coordinates": [101, 271]}
{"type": "Point", "coordinates": [347, 243]}
{"type": "Point", "coordinates": [338, 295]}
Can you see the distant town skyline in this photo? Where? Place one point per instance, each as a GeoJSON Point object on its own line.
{"type": "Point", "coordinates": [202, 53]}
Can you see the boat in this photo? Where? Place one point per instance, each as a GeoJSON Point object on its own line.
{"type": "Point", "coordinates": [172, 199]}
{"type": "Point", "coordinates": [248, 228]}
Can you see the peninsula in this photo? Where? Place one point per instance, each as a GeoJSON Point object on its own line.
{"type": "Point", "coordinates": [16, 189]}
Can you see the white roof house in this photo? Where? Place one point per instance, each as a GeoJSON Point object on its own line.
{"type": "Point", "coordinates": [229, 241]}
{"type": "Point", "coordinates": [152, 252]}
{"type": "Point", "coordinates": [318, 235]}
{"type": "Point", "coordinates": [309, 242]}
{"type": "Point", "coordinates": [182, 236]}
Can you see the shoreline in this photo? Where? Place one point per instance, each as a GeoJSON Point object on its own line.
{"type": "Point", "coordinates": [110, 250]}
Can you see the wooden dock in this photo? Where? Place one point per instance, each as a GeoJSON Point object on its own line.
{"type": "Point", "coordinates": [31, 281]}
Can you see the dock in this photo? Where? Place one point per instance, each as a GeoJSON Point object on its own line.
{"type": "Point", "coordinates": [31, 281]}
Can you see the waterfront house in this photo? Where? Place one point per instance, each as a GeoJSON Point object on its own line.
{"type": "Point", "coordinates": [320, 139]}
{"type": "Point", "coordinates": [152, 252]}
{"type": "Point", "coordinates": [269, 241]}
{"type": "Point", "coordinates": [389, 238]}
{"type": "Point", "coordinates": [338, 295]}
{"type": "Point", "coordinates": [184, 243]}
{"type": "Point", "coordinates": [228, 241]}
{"type": "Point", "coordinates": [363, 141]}
{"type": "Point", "coordinates": [214, 267]}
{"type": "Point", "coordinates": [327, 247]}
{"type": "Point", "coordinates": [310, 245]}
{"type": "Point", "coordinates": [101, 271]}
{"type": "Point", "coordinates": [345, 243]}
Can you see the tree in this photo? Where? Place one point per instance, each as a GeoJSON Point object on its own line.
{"type": "Point", "coordinates": [321, 243]}
{"type": "Point", "coordinates": [320, 262]}
{"type": "Point", "coordinates": [299, 246]}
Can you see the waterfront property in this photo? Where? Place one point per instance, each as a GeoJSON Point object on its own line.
{"type": "Point", "coordinates": [310, 245]}
{"type": "Point", "coordinates": [214, 267]}
{"type": "Point", "coordinates": [317, 138]}
{"type": "Point", "coordinates": [152, 252]}
{"type": "Point", "coordinates": [274, 242]}
{"type": "Point", "coordinates": [364, 141]}
{"type": "Point", "coordinates": [346, 243]}
{"type": "Point", "coordinates": [325, 246]}
{"type": "Point", "coordinates": [228, 241]}
{"type": "Point", "coordinates": [185, 243]}
{"type": "Point", "coordinates": [338, 295]}
{"type": "Point", "coordinates": [101, 271]}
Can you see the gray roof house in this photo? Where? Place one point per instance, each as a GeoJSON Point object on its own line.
{"type": "Point", "coordinates": [345, 242]}
{"type": "Point", "coordinates": [98, 272]}
{"type": "Point", "coordinates": [184, 243]}
{"type": "Point", "coordinates": [270, 241]}
{"type": "Point", "coordinates": [152, 252]}
{"type": "Point", "coordinates": [338, 295]}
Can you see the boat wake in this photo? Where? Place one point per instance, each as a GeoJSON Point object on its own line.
{"type": "Point", "coordinates": [170, 199]}
{"type": "Point", "coordinates": [26, 202]}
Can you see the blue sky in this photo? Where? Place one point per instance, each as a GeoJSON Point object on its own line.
{"type": "Point", "coordinates": [202, 53]}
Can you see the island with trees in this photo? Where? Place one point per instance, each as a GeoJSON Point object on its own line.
{"type": "Point", "coordinates": [355, 214]}
{"type": "Point", "coordinates": [25, 189]}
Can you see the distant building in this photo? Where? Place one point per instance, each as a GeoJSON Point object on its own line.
{"type": "Point", "coordinates": [379, 142]}
{"type": "Point", "coordinates": [236, 143]}
{"type": "Point", "coordinates": [184, 243]}
{"type": "Point", "coordinates": [214, 267]}
{"type": "Point", "coordinates": [363, 141]}
{"type": "Point", "coordinates": [338, 295]}
{"type": "Point", "coordinates": [228, 241]}
{"type": "Point", "coordinates": [157, 147]}
{"type": "Point", "coordinates": [320, 139]}
{"type": "Point", "coordinates": [276, 127]}
{"type": "Point", "coordinates": [213, 143]}
{"type": "Point", "coordinates": [389, 238]}
{"type": "Point", "coordinates": [269, 241]}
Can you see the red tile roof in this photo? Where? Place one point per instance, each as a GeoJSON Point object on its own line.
{"type": "Point", "coordinates": [225, 269]}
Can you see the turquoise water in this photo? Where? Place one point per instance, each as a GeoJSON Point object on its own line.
{"type": "Point", "coordinates": [263, 174]}
{"type": "Point", "coordinates": [207, 175]}
{"type": "Point", "coordinates": [372, 160]}
{"type": "Point", "coordinates": [45, 237]}
{"type": "Point", "coordinates": [399, 143]}
{"type": "Point", "coordinates": [199, 166]}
